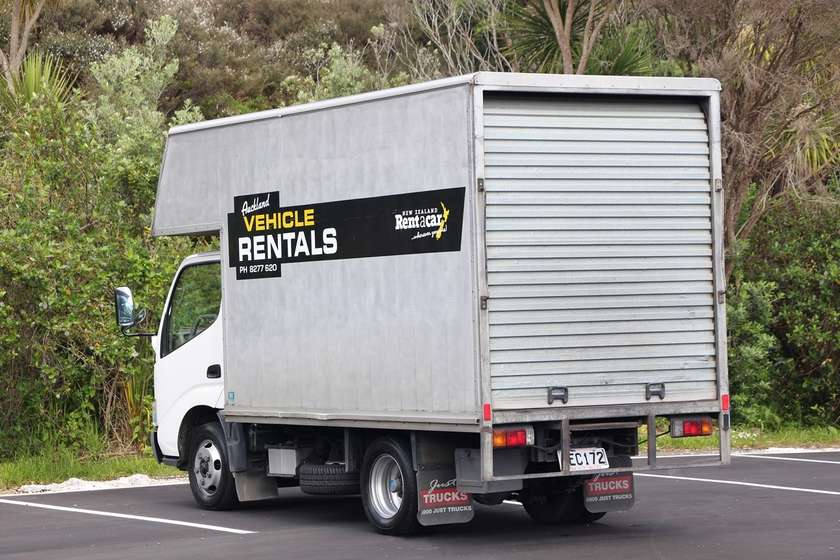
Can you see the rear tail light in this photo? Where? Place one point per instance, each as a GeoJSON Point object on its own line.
{"type": "Point", "coordinates": [692, 426]}
{"type": "Point", "coordinates": [513, 436]}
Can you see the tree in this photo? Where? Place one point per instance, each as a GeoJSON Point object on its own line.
{"type": "Point", "coordinates": [436, 38]}
{"type": "Point", "coordinates": [778, 65]}
{"type": "Point", "coordinates": [466, 33]}
{"type": "Point", "coordinates": [582, 38]}
{"type": "Point", "coordinates": [559, 35]}
{"type": "Point", "coordinates": [23, 16]}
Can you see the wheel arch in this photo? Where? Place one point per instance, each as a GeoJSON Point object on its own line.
{"type": "Point", "coordinates": [195, 416]}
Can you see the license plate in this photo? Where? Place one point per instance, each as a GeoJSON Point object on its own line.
{"type": "Point", "coordinates": [588, 459]}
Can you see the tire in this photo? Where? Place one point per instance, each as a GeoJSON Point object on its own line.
{"type": "Point", "coordinates": [389, 487]}
{"type": "Point", "coordinates": [560, 500]}
{"type": "Point", "coordinates": [327, 480]}
{"type": "Point", "coordinates": [555, 503]}
{"type": "Point", "coordinates": [211, 481]}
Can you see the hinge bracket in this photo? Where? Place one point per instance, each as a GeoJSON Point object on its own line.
{"type": "Point", "coordinates": [721, 296]}
{"type": "Point", "coordinates": [558, 394]}
{"type": "Point", "coordinates": [480, 184]}
{"type": "Point", "coordinates": [718, 185]}
{"type": "Point", "coordinates": [482, 302]}
{"type": "Point", "coordinates": [655, 390]}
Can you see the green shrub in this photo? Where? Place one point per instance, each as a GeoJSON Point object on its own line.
{"type": "Point", "coordinates": [797, 251]}
{"type": "Point", "coordinates": [754, 359]}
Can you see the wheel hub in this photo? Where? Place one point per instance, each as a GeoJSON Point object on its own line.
{"type": "Point", "coordinates": [207, 467]}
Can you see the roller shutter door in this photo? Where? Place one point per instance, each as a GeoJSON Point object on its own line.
{"type": "Point", "coordinates": [599, 249]}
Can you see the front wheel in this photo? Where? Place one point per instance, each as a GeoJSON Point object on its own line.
{"type": "Point", "coordinates": [389, 487]}
{"type": "Point", "coordinates": [211, 481]}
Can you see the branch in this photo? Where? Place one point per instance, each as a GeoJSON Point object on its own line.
{"type": "Point", "coordinates": [589, 42]}
{"type": "Point", "coordinates": [14, 35]}
{"type": "Point", "coordinates": [30, 23]}
{"type": "Point", "coordinates": [570, 15]}
{"type": "Point", "coordinates": [4, 66]}
{"type": "Point", "coordinates": [587, 29]}
{"type": "Point", "coordinates": [563, 40]}
{"type": "Point", "coordinates": [31, 18]}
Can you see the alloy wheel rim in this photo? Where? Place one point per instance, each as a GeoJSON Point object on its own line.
{"type": "Point", "coordinates": [385, 486]}
{"type": "Point", "coordinates": [207, 467]}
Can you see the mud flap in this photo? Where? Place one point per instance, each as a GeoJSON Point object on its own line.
{"type": "Point", "coordinates": [439, 502]}
{"type": "Point", "coordinates": [609, 492]}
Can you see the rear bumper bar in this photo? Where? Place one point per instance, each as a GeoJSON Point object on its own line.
{"type": "Point", "coordinates": [651, 459]}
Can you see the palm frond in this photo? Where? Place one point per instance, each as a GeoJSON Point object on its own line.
{"type": "Point", "coordinates": [41, 75]}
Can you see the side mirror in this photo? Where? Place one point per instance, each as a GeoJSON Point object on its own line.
{"type": "Point", "coordinates": [124, 307]}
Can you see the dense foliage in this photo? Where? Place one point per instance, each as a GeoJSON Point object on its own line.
{"type": "Point", "coordinates": [785, 318]}
{"type": "Point", "coordinates": [83, 126]}
{"type": "Point", "coordinates": [78, 178]}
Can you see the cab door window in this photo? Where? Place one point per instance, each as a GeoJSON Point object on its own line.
{"type": "Point", "coordinates": [194, 304]}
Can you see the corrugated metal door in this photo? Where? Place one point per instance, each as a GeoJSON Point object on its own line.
{"type": "Point", "coordinates": [599, 249]}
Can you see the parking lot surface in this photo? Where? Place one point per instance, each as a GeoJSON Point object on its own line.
{"type": "Point", "coordinates": [780, 506]}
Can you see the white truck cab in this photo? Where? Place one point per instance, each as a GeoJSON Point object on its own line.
{"type": "Point", "coordinates": [188, 351]}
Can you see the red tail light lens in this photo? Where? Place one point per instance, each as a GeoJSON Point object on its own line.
{"type": "Point", "coordinates": [519, 436]}
{"type": "Point", "coordinates": [516, 438]}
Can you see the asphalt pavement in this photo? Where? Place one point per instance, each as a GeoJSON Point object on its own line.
{"type": "Point", "coordinates": [760, 507]}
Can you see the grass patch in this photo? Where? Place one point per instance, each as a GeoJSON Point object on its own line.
{"type": "Point", "coordinates": [755, 438]}
{"type": "Point", "coordinates": [64, 464]}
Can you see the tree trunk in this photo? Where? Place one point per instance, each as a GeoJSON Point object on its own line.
{"type": "Point", "coordinates": [562, 30]}
{"type": "Point", "coordinates": [23, 19]}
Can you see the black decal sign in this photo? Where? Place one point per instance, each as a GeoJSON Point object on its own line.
{"type": "Point", "coordinates": [262, 235]}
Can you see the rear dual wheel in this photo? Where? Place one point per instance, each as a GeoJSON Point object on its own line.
{"type": "Point", "coordinates": [557, 503]}
{"type": "Point", "coordinates": [389, 487]}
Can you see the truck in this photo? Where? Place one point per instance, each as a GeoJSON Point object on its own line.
{"type": "Point", "coordinates": [491, 287]}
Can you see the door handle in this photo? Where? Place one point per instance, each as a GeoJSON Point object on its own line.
{"type": "Point", "coordinates": [214, 371]}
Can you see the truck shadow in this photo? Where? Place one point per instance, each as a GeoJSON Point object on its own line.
{"type": "Point", "coordinates": [504, 524]}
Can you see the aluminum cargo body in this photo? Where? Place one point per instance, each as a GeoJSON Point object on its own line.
{"type": "Point", "coordinates": [588, 264]}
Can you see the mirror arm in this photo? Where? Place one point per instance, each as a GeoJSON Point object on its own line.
{"type": "Point", "coordinates": [124, 331]}
{"type": "Point", "coordinates": [141, 316]}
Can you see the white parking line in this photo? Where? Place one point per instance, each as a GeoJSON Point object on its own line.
{"type": "Point", "coordinates": [763, 454]}
{"type": "Point", "coordinates": [790, 459]}
{"type": "Point", "coordinates": [737, 483]}
{"type": "Point", "coordinates": [127, 516]}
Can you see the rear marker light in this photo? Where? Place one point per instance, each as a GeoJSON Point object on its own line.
{"type": "Point", "coordinates": [692, 426]}
{"type": "Point", "coordinates": [515, 436]}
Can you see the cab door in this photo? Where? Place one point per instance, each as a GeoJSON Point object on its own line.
{"type": "Point", "coordinates": [188, 370]}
